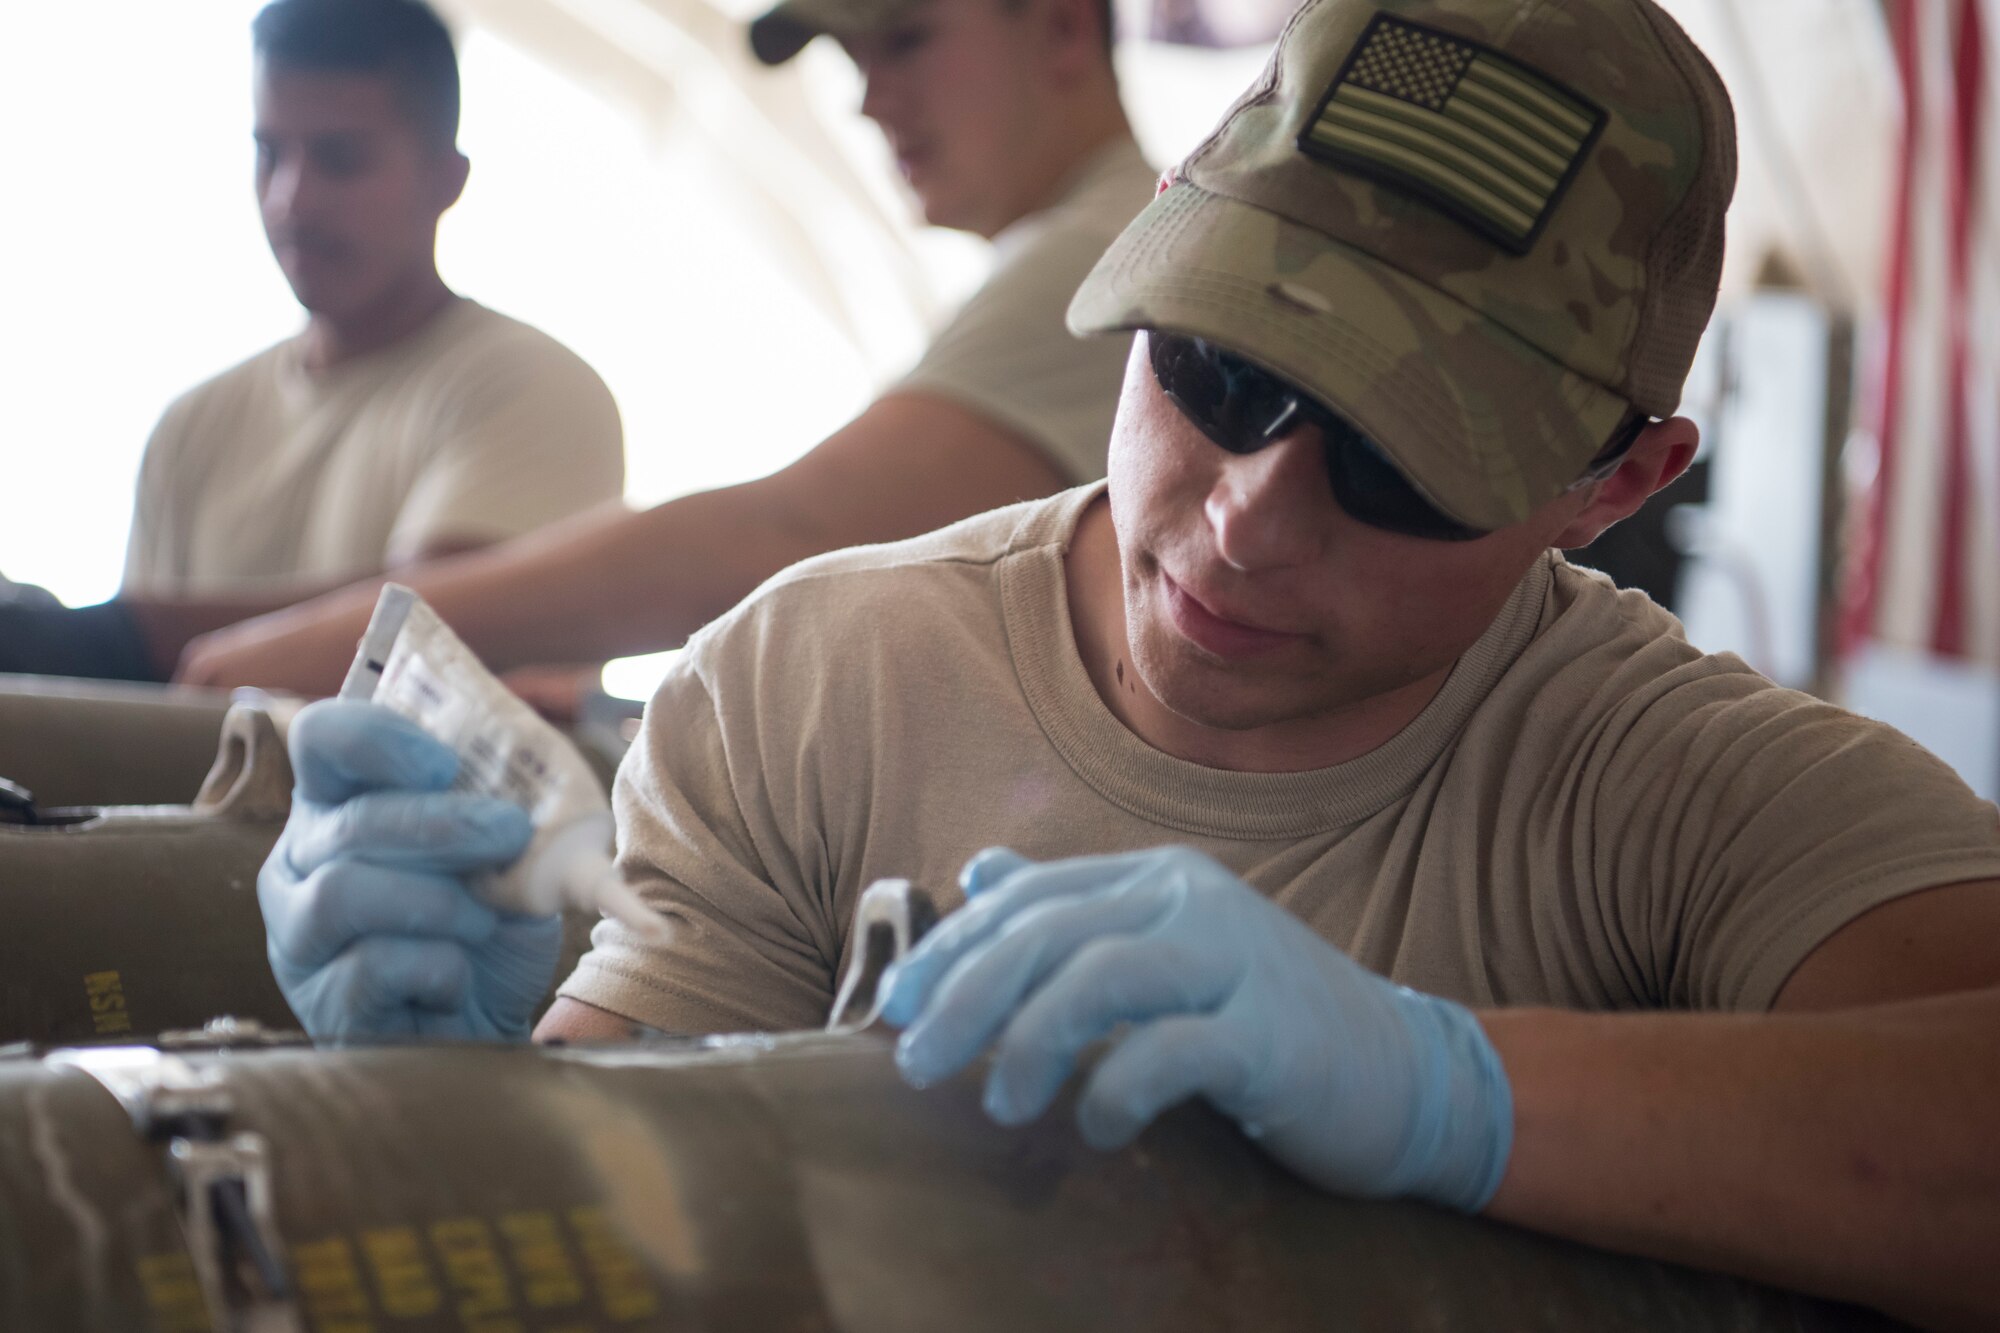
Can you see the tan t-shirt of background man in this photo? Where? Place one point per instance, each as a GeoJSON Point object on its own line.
{"type": "Point", "coordinates": [1008, 353]}
{"type": "Point", "coordinates": [1591, 813]}
{"type": "Point", "coordinates": [475, 428]}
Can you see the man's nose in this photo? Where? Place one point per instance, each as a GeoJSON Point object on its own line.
{"type": "Point", "coordinates": [287, 190]}
{"type": "Point", "coordinates": [878, 92]}
{"type": "Point", "coordinates": [1269, 509]}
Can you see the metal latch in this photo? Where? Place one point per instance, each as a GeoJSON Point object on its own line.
{"type": "Point", "coordinates": [222, 1181]}
{"type": "Point", "coordinates": [17, 804]}
{"type": "Point", "coordinates": [888, 921]}
{"type": "Point", "coordinates": [230, 1033]}
{"type": "Point", "coordinates": [232, 1231]}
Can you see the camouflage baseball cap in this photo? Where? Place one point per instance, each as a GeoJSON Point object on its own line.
{"type": "Point", "coordinates": [783, 31]}
{"type": "Point", "coordinates": [1486, 231]}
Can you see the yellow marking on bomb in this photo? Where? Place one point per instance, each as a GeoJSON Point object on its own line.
{"type": "Point", "coordinates": [622, 1282]}
{"type": "Point", "coordinates": [108, 1012]}
{"type": "Point", "coordinates": [403, 1278]}
{"type": "Point", "coordinates": [330, 1281]}
{"type": "Point", "coordinates": [456, 1269]}
{"type": "Point", "coordinates": [474, 1271]}
{"type": "Point", "coordinates": [541, 1260]}
{"type": "Point", "coordinates": [642, 1186]}
{"type": "Point", "coordinates": [174, 1293]}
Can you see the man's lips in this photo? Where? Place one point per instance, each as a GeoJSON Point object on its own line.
{"type": "Point", "coordinates": [1217, 632]}
{"type": "Point", "coordinates": [308, 252]}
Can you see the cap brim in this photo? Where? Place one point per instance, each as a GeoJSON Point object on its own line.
{"type": "Point", "coordinates": [1487, 426]}
{"type": "Point", "coordinates": [778, 36]}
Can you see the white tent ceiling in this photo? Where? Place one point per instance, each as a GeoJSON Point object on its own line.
{"type": "Point", "coordinates": [1818, 111]}
{"type": "Point", "coordinates": [1813, 83]}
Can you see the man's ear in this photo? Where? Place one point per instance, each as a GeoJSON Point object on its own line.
{"type": "Point", "coordinates": [1661, 453]}
{"type": "Point", "coordinates": [453, 168]}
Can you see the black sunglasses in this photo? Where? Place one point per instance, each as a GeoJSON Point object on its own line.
{"type": "Point", "coordinates": [1242, 408]}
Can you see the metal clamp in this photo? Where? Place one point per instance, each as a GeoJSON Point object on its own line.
{"type": "Point", "coordinates": [888, 921]}
{"type": "Point", "coordinates": [232, 1231]}
{"type": "Point", "coordinates": [222, 1181]}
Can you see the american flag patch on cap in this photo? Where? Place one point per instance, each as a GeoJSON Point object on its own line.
{"type": "Point", "coordinates": [1480, 135]}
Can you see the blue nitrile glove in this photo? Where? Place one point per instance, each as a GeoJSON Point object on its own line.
{"type": "Point", "coordinates": [371, 929]}
{"type": "Point", "coordinates": [1355, 1083]}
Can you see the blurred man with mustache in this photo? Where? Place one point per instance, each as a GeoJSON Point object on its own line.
{"type": "Point", "coordinates": [405, 422]}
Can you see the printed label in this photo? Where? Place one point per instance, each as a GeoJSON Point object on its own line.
{"type": "Point", "coordinates": [106, 994]}
{"type": "Point", "coordinates": [402, 1272]}
{"type": "Point", "coordinates": [173, 1292]}
{"type": "Point", "coordinates": [475, 1274]}
{"type": "Point", "coordinates": [549, 1279]}
{"type": "Point", "coordinates": [519, 1272]}
{"type": "Point", "coordinates": [330, 1287]}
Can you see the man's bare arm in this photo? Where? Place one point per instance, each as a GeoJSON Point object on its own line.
{"type": "Point", "coordinates": [574, 1021]}
{"type": "Point", "coordinates": [588, 589]}
{"type": "Point", "coordinates": [167, 625]}
{"type": "Point", "coordinates": [1843, 1145]}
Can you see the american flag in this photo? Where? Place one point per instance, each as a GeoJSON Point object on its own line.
{"type": "Point", "coordinates": [1481, 135]}
{"type": "Point", "coordinates": [1923, 566]}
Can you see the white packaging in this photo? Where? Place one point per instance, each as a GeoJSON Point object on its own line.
{"type": "Point", "coordinates": [410, 662]}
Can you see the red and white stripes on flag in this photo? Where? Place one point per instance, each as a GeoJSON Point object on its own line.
{"type": "Point", "coordinates": [1924, 561]}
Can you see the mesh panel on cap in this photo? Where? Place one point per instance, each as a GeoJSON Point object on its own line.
{"type": "Point", "coordinates": [1684, 266]}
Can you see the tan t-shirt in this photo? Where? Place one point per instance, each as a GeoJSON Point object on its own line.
{"type": "Point", "coordinates": [1008, 354]}
{"type": "Point", "coordinates": [475, 428]}
{"type": "Point", "coordinates": [1591, 813]}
